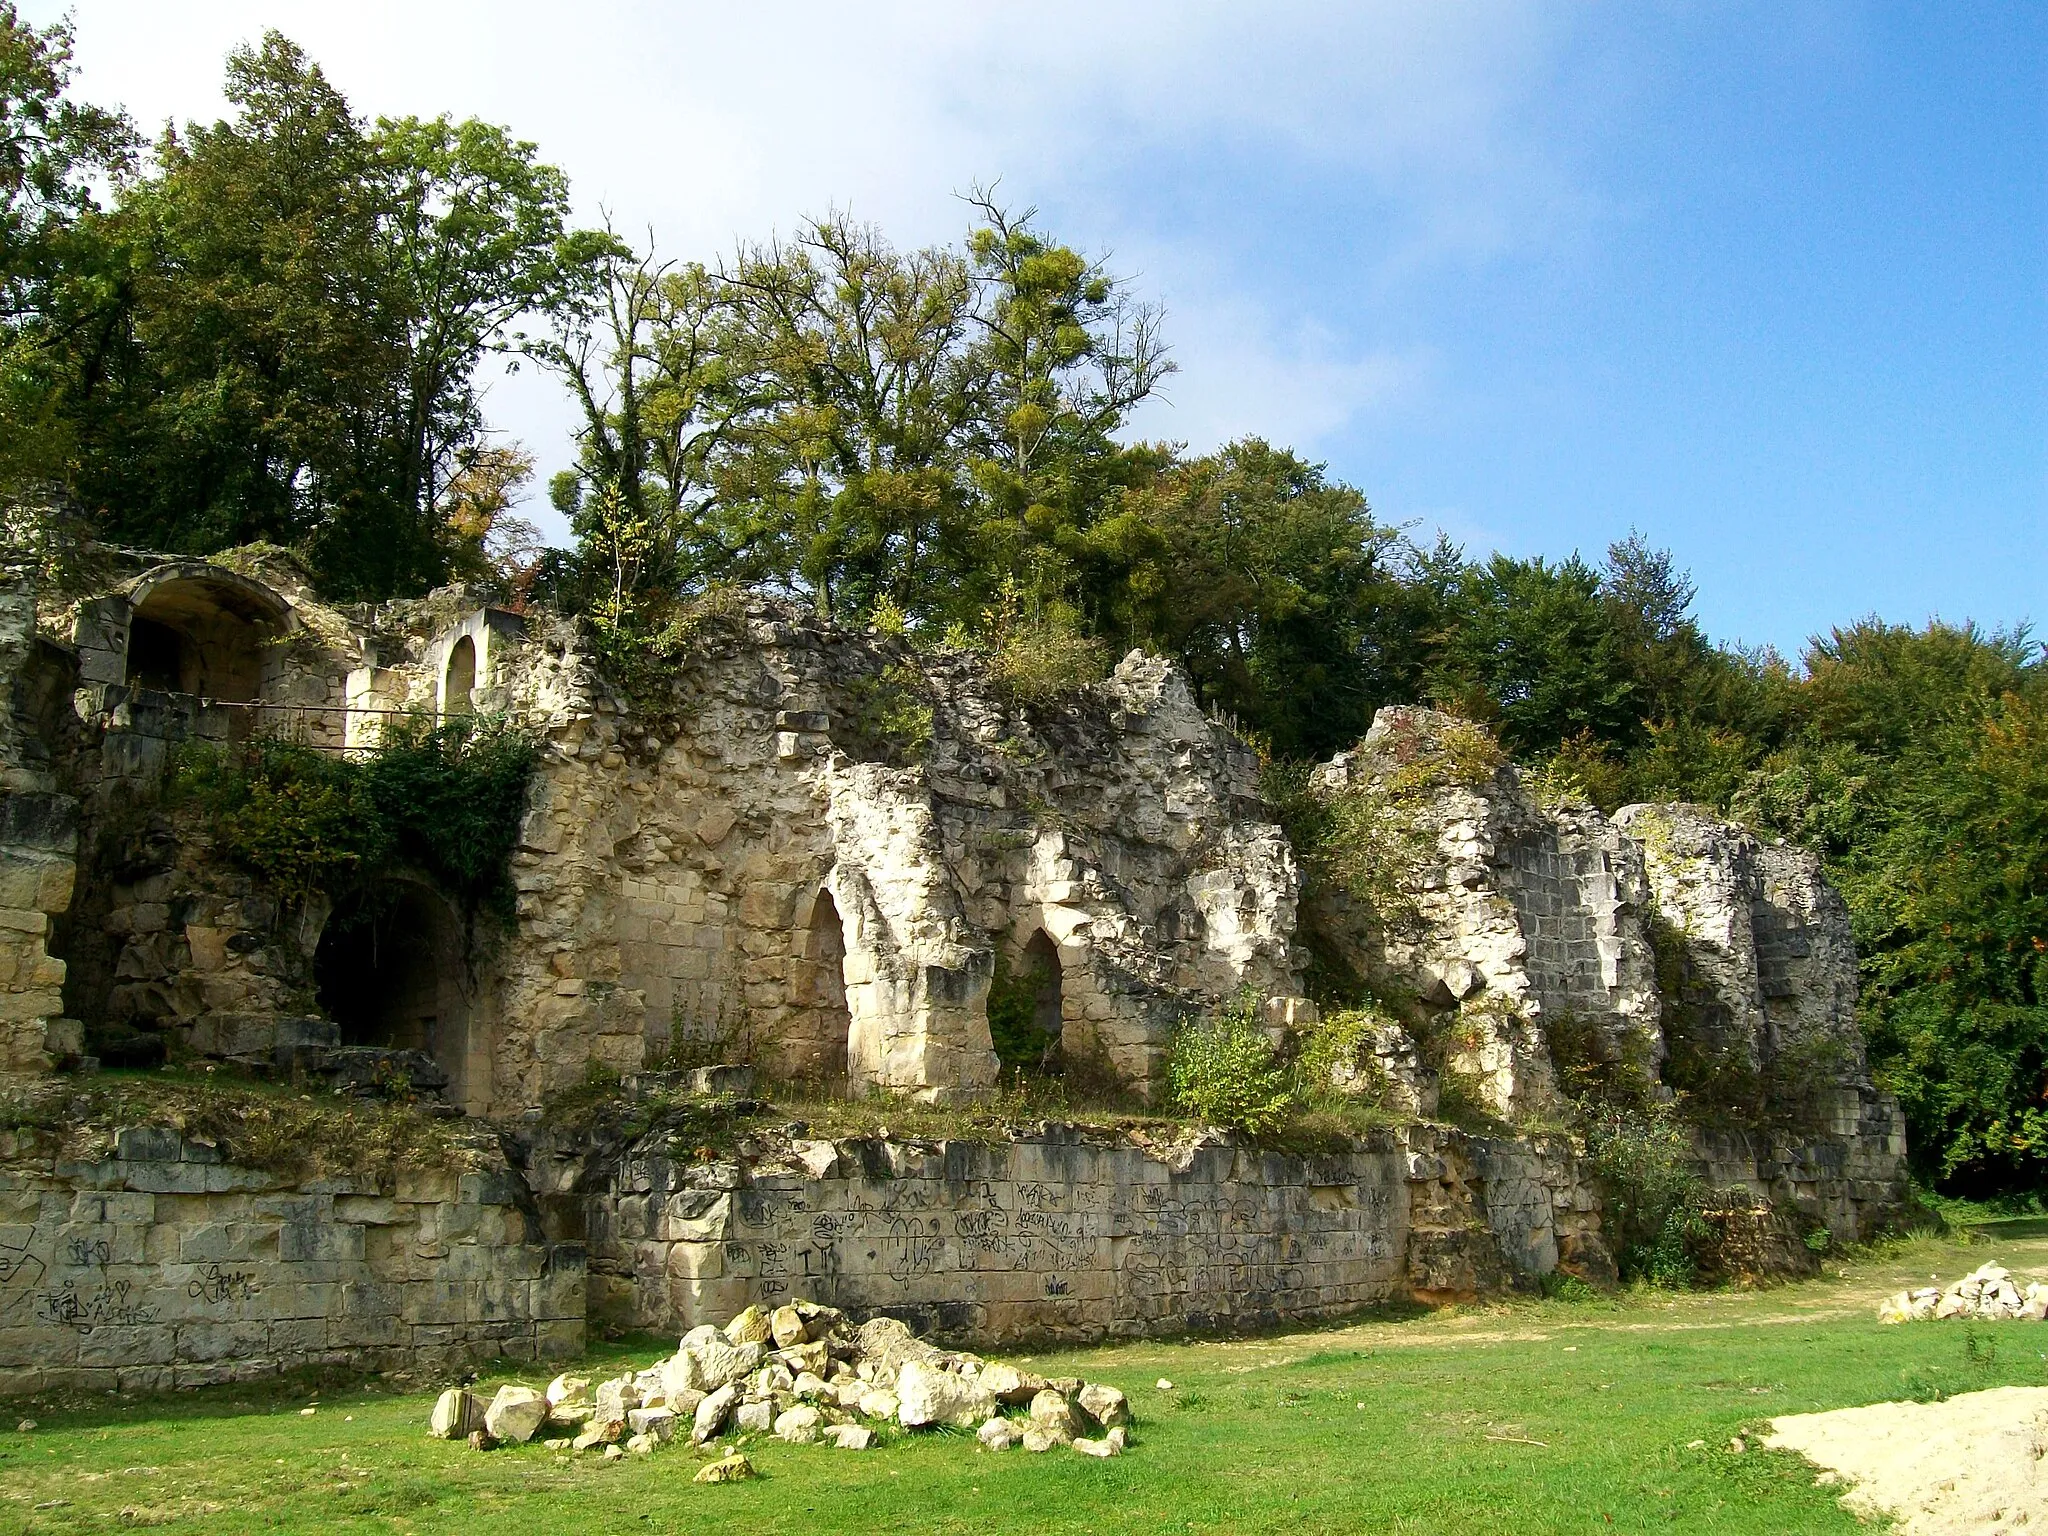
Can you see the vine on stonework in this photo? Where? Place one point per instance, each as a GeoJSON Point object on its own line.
{"type": "Point", "coordinates": [444, 799]}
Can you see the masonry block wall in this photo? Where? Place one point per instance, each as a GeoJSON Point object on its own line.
{"type": "Point", "coordinates": [1062, 1234]}
{"type": "Point", "coordinates": [162, 1265]}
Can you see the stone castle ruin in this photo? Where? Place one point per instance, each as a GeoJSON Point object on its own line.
{"type": "Point", "coordinates": [825, 854]}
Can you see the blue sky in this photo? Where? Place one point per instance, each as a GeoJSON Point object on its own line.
{"type": "Point", "coordinates": [1768, 282]}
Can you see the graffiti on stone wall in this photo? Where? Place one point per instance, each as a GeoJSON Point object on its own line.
{"type": "Point", "coordinates": [1146, 1249]}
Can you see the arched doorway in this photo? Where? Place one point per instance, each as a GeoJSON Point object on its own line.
{"type": "Point", "coordinates": [390, 972]}
{"type": "Point", "coordinates": [460, 682]}
{"type": "Point", "coordinates": [818, 1041]}
{"type": "Point", "coordinates": [1024, 1006]}
{"type": "Point", "coordinates": [1042, 965]}
{"type": "Point", "coordinates": [202, 634]}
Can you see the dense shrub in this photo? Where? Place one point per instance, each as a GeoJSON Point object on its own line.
{"type": "Point", "coordinates": [1653, 1199]}
{"type": "Point", "coordinates": [444, 799]}
{"type": "Point", "coordinates": [1225, 1071]}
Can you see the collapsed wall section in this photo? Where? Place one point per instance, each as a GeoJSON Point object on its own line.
{"type": "Point", "coordinates": [1543, 946]}
{"type": "Point", "coordinates": [838, 845]}
{"type": "Point", "coordinates": [1507, 923]}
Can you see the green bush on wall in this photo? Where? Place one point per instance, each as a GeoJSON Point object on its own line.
{"type": "Point", "coordinates": [445, 799]}
{"type": "Point", "coordinates": [1224, 1070]}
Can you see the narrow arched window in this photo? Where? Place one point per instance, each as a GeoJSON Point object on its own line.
{"type": "Point", "coordinates": [461, 682]}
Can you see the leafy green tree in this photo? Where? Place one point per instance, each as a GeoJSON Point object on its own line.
{"type": "Point", "coordinates": [303, 301]}
{"type": "Point", "coordinates": [1919, 767]}
{"type": "Point", "coordinates": [869, 427]}
{"type": "Point", "coordinates": [1270, 582]}
{"type": "Point", "coordinates": [1065, 355]}
{"type": "Point", "coordinates": [53, 151]}
{"type": "Point", "coordinates": [1535, 647]}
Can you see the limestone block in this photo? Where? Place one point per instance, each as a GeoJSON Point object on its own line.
{"type": "Point", "coordinates": [929, 1395]}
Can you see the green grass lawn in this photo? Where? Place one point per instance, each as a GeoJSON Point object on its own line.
{"type": "Point", "coordinates": [1524, 1417]}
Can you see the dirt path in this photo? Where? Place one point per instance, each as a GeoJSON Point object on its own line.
{"type": "Point", "coordinates": [1974, 1465]}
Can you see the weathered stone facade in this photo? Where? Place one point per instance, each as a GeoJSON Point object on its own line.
{"type": "Point", "coordinates": [821, 850]}
{"type": "Point", "coordinates": [1530, 923]}
{"type": "Point", "coordinates": [1066, 1234]}
{"type": "Point", "coordinates": [162, 1265]}
{"type": "Point", "coordinates": [766, 862]}
{"type": "Point", "coordinates": [38, 844]}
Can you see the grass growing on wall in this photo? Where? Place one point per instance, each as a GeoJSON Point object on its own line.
{"type": "Point", "coordinates": [1536, 1417]}
{"type": "Point", "coordinates": [277, 1127]}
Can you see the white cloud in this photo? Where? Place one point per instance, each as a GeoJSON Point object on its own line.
{"type": "Point", "coordinates": [711, 123]}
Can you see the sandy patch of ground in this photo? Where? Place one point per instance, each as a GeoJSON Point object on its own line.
{"type": "Point", "coordinates": [1975, 1465]}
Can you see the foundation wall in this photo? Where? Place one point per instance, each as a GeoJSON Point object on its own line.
{"type": "Point", "coordinates": [1061, 1236]}
{"type": "Point", "coordinates": [162, 1266]}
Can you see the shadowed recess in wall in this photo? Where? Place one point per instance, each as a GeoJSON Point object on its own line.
{"type": "Point", "coordinates": [389, 971]}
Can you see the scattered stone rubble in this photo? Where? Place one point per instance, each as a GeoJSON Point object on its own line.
{"type": "Point", "coordinates": [805, 1374]}
{"type": "Point", "coordinates": [1988, 1294]}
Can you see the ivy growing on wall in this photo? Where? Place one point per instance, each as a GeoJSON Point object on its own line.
{"type": "Point", "coordinates": [443, 799]}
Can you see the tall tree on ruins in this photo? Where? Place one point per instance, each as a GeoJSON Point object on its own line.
{"type": "Point", "coordinates": [836, 417]}
{"type": "Point", "coordinates": [1271, 583]}
{"type": "Point", "coordinates": [53, 152]}
{"type": "Point", "coordinates": [288, 348]}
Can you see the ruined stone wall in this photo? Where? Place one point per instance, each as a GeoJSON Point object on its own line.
{"type": "Point", "coordinates": [1516, 917]}
{"type": "Point", "coordinates": [160, 1265]}
{"type": "Point", "coordinates": [1064, 1234]}
{"type": "Point", "coordinates": [38, 844]}
{"type": "Point", "coordinates": [774, 864]}
{"type": "Point", "coordinates": [1533, 930]}
{"type": "Point", "coordinates": [814, 852]}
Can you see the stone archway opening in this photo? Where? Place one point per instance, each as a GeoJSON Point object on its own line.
{"type": "Point", "coordinates": [1024, 1007]}
{"type": "Point", "coordinates": [459, 684]}
{"type": "Point", "coordinates": [389, 971]}
{"type": "Point", "coordinates": [824, 1023]}
{"type": "Point", "coordinates": [192, 635]}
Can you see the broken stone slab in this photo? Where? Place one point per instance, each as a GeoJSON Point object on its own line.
{"type": "Point", "coordinates": [878, 1403]}
{"type": "Point", "coordinates": [599, 1432]}
{"type": "Point", "coordinates": [756, 1418]}
{"type": "Point", "coordinates": [709, 1364]}
{"type": "Point", "coordinates": [1105, 1405]}
{"type": "Point", "coordinates": [800, 1425]}
{"type": "Point", "coordinates": [1054, 1414]}
{"type": "Point", "coordinates": [749, 1327]}
{"type": "Point", "coordinates": [457, 1414]}
{"type": "Point", "coordinates": [1037, 1440]}
{"type": "Point", "coordinates": [928, 1395]}
{"type": "Point", "coordinates": [850, 1437]}
{"type": "Point", "coordinates": [1103, 1447]}
{"type": "Point", "coordinates": [567, 1391]}
{"type": "Point", "coordinates": [616, 1398]}
{"type": "Point", "coordinates": [1010, 1385]}
{"type": "Point", "coordinates": [712, 1412]}
{"type": "Point", "coordinates": [887, 1344]}
{"type": "Point", "coordinates": [516, 1414]}
{"type": "Point", "coordinates": [997, 1435]}
{"type": "Point", "coordinates": [658, 1422]}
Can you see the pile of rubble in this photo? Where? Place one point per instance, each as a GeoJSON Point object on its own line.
{"type": "Point", "coordinates": [804, 1374]}
{"type": "Point", "coordinates": [1988, 1293]}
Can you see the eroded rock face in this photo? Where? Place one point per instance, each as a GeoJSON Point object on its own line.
{"type": "Point", "coordinates": [1540, 940]}
{"type": "Point", "coordinates": [1507, 915]}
